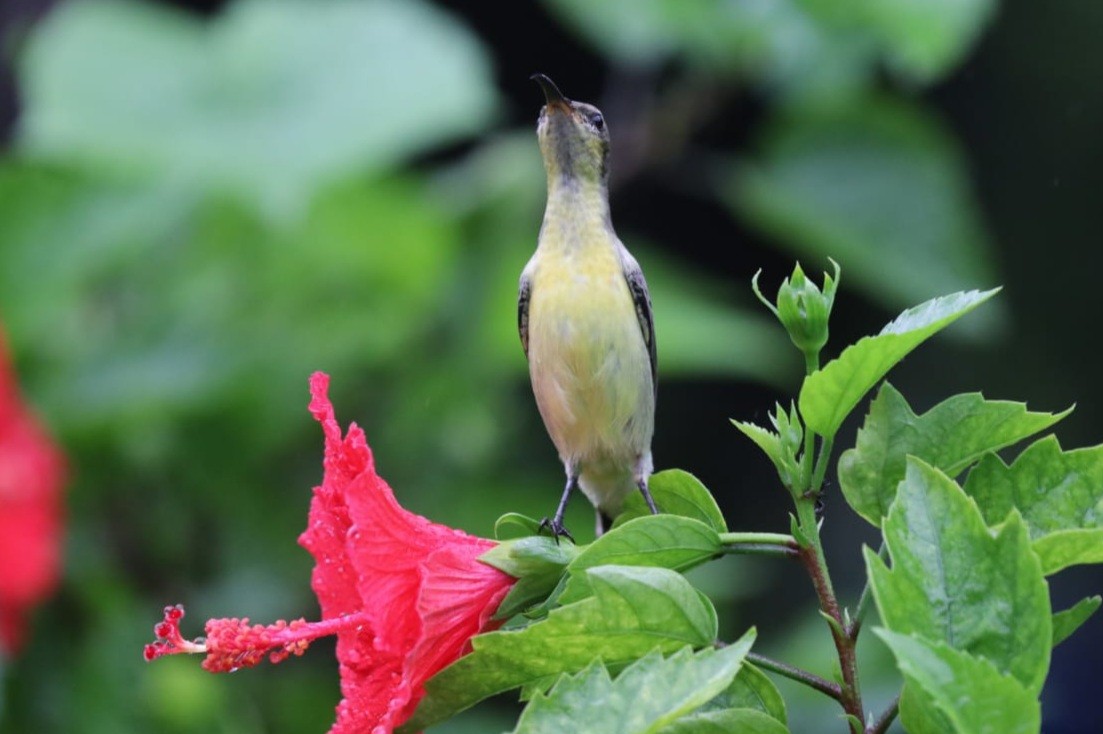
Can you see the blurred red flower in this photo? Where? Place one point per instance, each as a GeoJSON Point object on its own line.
{"type": "Point", "coordinates": [403, 595]}
{"type": "Point", "coordinates": [32, 472]}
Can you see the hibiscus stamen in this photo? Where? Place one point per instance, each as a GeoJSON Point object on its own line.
{"type": "Point", "coordinates": [169, 640]}
{"type": "Point", "coordinates": [232, 643]}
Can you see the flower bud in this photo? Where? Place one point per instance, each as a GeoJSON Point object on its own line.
{"type": "Point", "coordinates": [803, 308]}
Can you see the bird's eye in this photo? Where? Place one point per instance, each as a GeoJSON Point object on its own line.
{"type": "Point", "coordinates": [597, 121]}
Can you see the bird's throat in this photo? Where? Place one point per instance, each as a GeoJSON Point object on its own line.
{"type": "Point", "coordinates": [577, 213]}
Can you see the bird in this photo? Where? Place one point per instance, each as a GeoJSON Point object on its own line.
{"type": "Point", "coordinates": [585, 318]}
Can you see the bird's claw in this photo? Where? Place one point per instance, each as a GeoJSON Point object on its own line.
{"type": "Point", "coordinates": [555, 525]}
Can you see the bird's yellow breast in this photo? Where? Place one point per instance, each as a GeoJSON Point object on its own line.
{"type": "Point", "coordinates": [590, 366]}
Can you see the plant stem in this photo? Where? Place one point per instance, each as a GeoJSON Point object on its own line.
{"type": "Point", "coordinates": [884, 721]}
{"type": "Point", "coordinates": [781, 539]}
{"type": "Point", "coordinates": [826, 446]}
{"type": "Point", "coordinates": [814, 562]}
{"type": "Point", "coordinates": [811, 364]}
{"type": "Point", "coordinates": [800, 676]}
{"type": "Point", "coordinates": [759, 544]}
{"type": "Point", "coordinates": [760, 549]}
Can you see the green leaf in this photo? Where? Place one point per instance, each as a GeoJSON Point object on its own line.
{"type": "Point", "coordinates": [527, 592]}
{"type": "Point", "coordinates": [920, 711]}
{"type": "Point", "coordinates": [751, 689]}
{"type": "Point", "coordinates": [725, 721]}
{"type": "Point", "coordinates": [783, 447]}
{"type": "Point", "coordinates": [970, 691]}
{"type": "Point", "coordinates": [524, 524]}
{"type": "Point", "coordinates": [828, 395]}
{"type": "Point", "coordinates": [765, 439]}
{"type": "Point", "coordinates": [646, 696]}
{"type": "Point", "coordinates": [950, 436]}
{"type": "Point", "coordinates": [1059, 493]}
{"type": "Point", "coordinates": [1069, 620]}
{"type": "Point", "coordinates": [878, 185]}
{"type": "Point", "coordinates": [776, 44]}
{"type": "Point", "coordinates": [663, 541]}
{"type": "Point", "coordinates": [953, 580]}
{"type": "Point", "coordinates": [632, 612]}
{"type": "Point", "coordinates": [267, 98]}
{"type": "Point", "coordinates": [1063, 548]}
{"type": "Point", "coordinates": [676, 492]}
{"type": "Point", "coordinates": [924, 40]}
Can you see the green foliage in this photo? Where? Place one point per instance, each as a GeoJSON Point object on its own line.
{"type": "Point", "coordinates": [971, 692]}
{"type": "Point", "coordinates": [677, 543]}
{"type": "Point", "coordinates": [751, 690]}
{"type": "Point", "coordinates": [921, 40]}
{"type": "Point", "coordinates": [268, 99]}
{"type": "Point", "coordinates": [950, 437]}
{"type": "Point", "coordinates": [828, 395]}
{"type": "Point", "coordinates": [832, 47]}
{"type": "Point", "coordinates": [783, 447]}
{"type": "Point", "coordinates": [632, 611]}
{"type": "Point", "coordinates": [646, 696]}
{"type": "Point", "coordinates": [1070, 620]}
{"type": "Point", "coordinates": [1058, 493]}
{"type": "Point", "coordinates": [744, 721]}
{"type": "Point", "coordinates": [954, 581]}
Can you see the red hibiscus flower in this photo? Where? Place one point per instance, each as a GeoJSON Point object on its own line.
{"type": "Point", "coordinates": [403, 595]}
{"type": "Point", "coordinates": [32, 472]}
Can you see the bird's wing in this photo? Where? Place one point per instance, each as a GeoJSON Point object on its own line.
{"type": "Point", "coordinates": [524, 293]}
{"type": "Point", "coordinates": [637, 286]}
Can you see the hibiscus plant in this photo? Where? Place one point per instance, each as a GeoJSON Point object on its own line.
{"type": "Point", "coordinates": [612, 637]}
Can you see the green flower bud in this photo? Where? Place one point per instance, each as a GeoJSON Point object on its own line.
{"type": "Point", "coordinates": [803, 308]}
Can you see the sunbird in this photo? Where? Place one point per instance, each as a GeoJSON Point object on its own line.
{"type": "Point", "coordinates": [584, 313]}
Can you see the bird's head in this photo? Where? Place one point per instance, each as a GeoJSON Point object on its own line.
{"type": "Point", "coordinates": [574, 138]}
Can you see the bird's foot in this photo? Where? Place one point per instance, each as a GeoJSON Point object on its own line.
{"type": "Point", "coordinates": [555, 525]}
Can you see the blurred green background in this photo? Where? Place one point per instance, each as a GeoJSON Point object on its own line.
{"type": "Point", "coordinates": [202, 202]}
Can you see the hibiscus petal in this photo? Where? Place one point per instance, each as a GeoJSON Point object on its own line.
{"type": "Point", "coordinates": [334, 577]}
{"type": "Point", "coordinates": [459, 594]}
{"type": "Point", "coordinates": [32, 474]}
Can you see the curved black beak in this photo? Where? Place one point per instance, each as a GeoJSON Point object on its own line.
{"type": "Point", "coordinates": [552, 94]}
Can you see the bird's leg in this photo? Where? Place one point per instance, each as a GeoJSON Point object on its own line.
{"type": "Point", "coordinates": [556, 523]}
{"type": "Point", "coordinates": [641, 483]}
